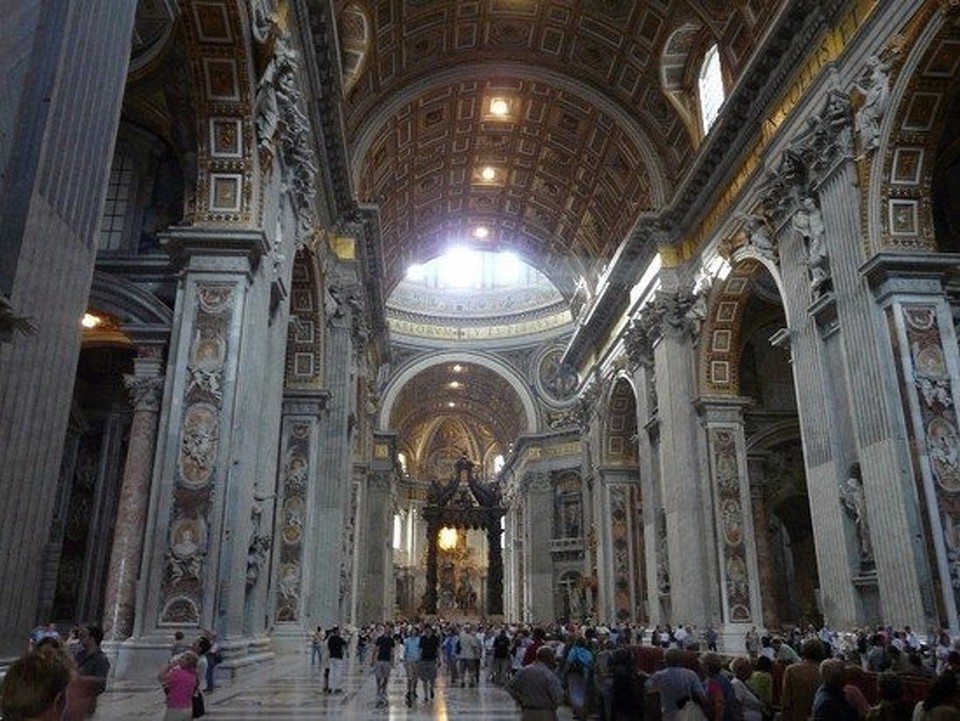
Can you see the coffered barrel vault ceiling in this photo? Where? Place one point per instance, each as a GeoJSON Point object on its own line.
{"type": "Point", "coordinates": [479, 397]}
{"type": "Point", "coordinates": [591, 142]}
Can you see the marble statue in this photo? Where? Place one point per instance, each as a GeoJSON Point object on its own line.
{"type": "Point", "coordinates": [855, 503]}
{"type": "Point", "coordinates": [758, 234]}
{"type": "Point", "coordinates": [808, 223]}
{"type": "Point", "coordinates": [875, 86]}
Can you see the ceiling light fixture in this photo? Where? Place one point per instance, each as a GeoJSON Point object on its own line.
{"type": "Point", "coordinates": [481, 232]}
{"type": "Point", "coordinates": [488, 173]}
{"type": "Point", "coordinates": [456, 384]}
{"type": "Point", "coordinates": [457, 368]}
{"type": "Point", "coordinates": [451, 404]}
{"type": "Point", "coordinates": [499, 107]}
{"type": "Point", "coordinates": [90, 320]}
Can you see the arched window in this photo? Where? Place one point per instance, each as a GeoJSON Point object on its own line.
{"type": "Point", "coordinates": [710, 87]}
{"type": "Point", "coordinates": [118, 203]}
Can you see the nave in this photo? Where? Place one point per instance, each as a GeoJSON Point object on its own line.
{"type": "Point", "coordinates": [291, 690]}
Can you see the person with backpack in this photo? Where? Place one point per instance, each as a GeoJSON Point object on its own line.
{"type": "Point", "coordinates": [500, 661]}
{"type": "Point", "coordinates": [577, 673]}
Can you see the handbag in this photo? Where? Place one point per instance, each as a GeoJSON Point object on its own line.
{"type": "Point", "coordinates": [199, 709]}
{"type": "Point", "coordinates": [690, 711]}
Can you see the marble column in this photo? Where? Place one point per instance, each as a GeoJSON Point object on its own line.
{"type": "Point", "coordinates": [639, 348]}
{"type": "Point", "coordinates": [735, 534]}
{"type": "Point", "coordinates": [201, 508]}
{"type": "Point", "coordinates": [538, 564]}
{"type": "Point", "coordinates": [761, 529]}
{"type": "Point", "coordinates": [49, 212]}
{"type": "Point", "coordinates": [124, 569]}
{"type": "Point", "coordinates": [910, 289]}
{"type": "Point", "coordinates": [889, 515]}
{"type": "Point", "coordinates": [375, 562]}
{"type": "Point", "coordinates": [335, 464]}
{"type": "Point", "coordinates": [294, 558]}
{"type": "Point", "coordinates": [620, 576]}
{"type": "Point", "coordinates": [690, 542]}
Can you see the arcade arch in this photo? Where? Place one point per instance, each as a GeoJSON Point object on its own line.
{"type": "Point", "coordinates": [745, 355]}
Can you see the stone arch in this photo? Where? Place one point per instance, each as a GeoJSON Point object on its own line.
{"type": "Point", "coordinates": [510, 376]}
{"type": "Point", "coordinates": [901, 195]}
{"type": "Point", "coordinates": [353, 30]}
{"type": "Point", "coordinates": [720, 341]}
{"type": "Point", "coordinates": [620, 425]}
{"type": "Point", "coordinates": [127, 301]}
{"type": "Point", "coordinates": [442, 444]}
{"type": "Point", "coordinates": [782, 523]}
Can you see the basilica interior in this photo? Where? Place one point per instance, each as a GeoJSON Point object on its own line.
{"type": "Point", "coordinates": [320, 312]}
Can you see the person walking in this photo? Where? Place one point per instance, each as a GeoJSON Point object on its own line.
{"type": "Point", "coordinates": [469, 651]}
{"type": "Point", "coordinates": [500, 661]}
{"type": "Point", "coordinates": [411, 662]}
{"type": "Point", "coordinates": [336, 646]}
{"type": "Point", "coordinates": [382, 663]}
{"type": "Point", "coordinates": [429, 657]}
{"type": "Point", "coordinates": [316, 647]}
{"type": "Point", "coordinates": [536, 688]}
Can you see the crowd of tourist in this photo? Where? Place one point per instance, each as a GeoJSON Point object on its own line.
{"type": "Point", "coordinates": [608, 672]}
{"type": "Point", "coordinates": [58, 678]}
{"type": "Point", "coordinates": [793, 675]}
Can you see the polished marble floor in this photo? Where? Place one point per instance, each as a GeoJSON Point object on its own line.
{"type": "Point", "coordinates": [291, 690]}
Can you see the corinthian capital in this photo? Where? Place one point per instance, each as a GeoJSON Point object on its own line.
{"type": "Point", "coordinates": [536, 482]}
{"type": "Point", "coordinates": [676, 313]}
{"type": "Point", "coordinates": [639, 340]}
{"type": "Point", "coordinates": [825, 139]}
{"type": "Point", "coordinates": [144, 392]}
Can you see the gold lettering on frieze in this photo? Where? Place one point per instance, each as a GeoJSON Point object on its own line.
{"type": "Point", "coordinates": [381, 450]}
{"type": "Point", "coordinates": [563, 449]}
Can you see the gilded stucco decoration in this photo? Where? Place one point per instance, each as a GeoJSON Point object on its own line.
{"type": "Point", "coordinates": [588, 143]}
{"type": "Point", "coordinates": [197, 471]}
{"type": "Point", "coordinates": [353, 31]}
{"type": "Point", "coordinates": [294, 480]}
{"type": "Point", "coordinates": [223, 95]}
{"type": "Point", "coordinates": [304, 361]}
{"type": "Point", "coordinates": [726, 477]}
{"type": "Point", "coordinates": [620, 532]}
{"type": "Point", "coordinates": [936, 436]}
{"type": "Point", "coordinates": [910, 153]}
{"type": "Point", "coordinates": [620, 426]}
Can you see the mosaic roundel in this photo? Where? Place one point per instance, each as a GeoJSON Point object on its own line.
{"type": "Point", "coordinates": [555, 380]}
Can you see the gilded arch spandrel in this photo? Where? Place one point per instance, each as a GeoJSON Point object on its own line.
{"type": "Point", "coordinates": [718, 354]}
{"type": "Point", "coordinates": [898, 176]}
